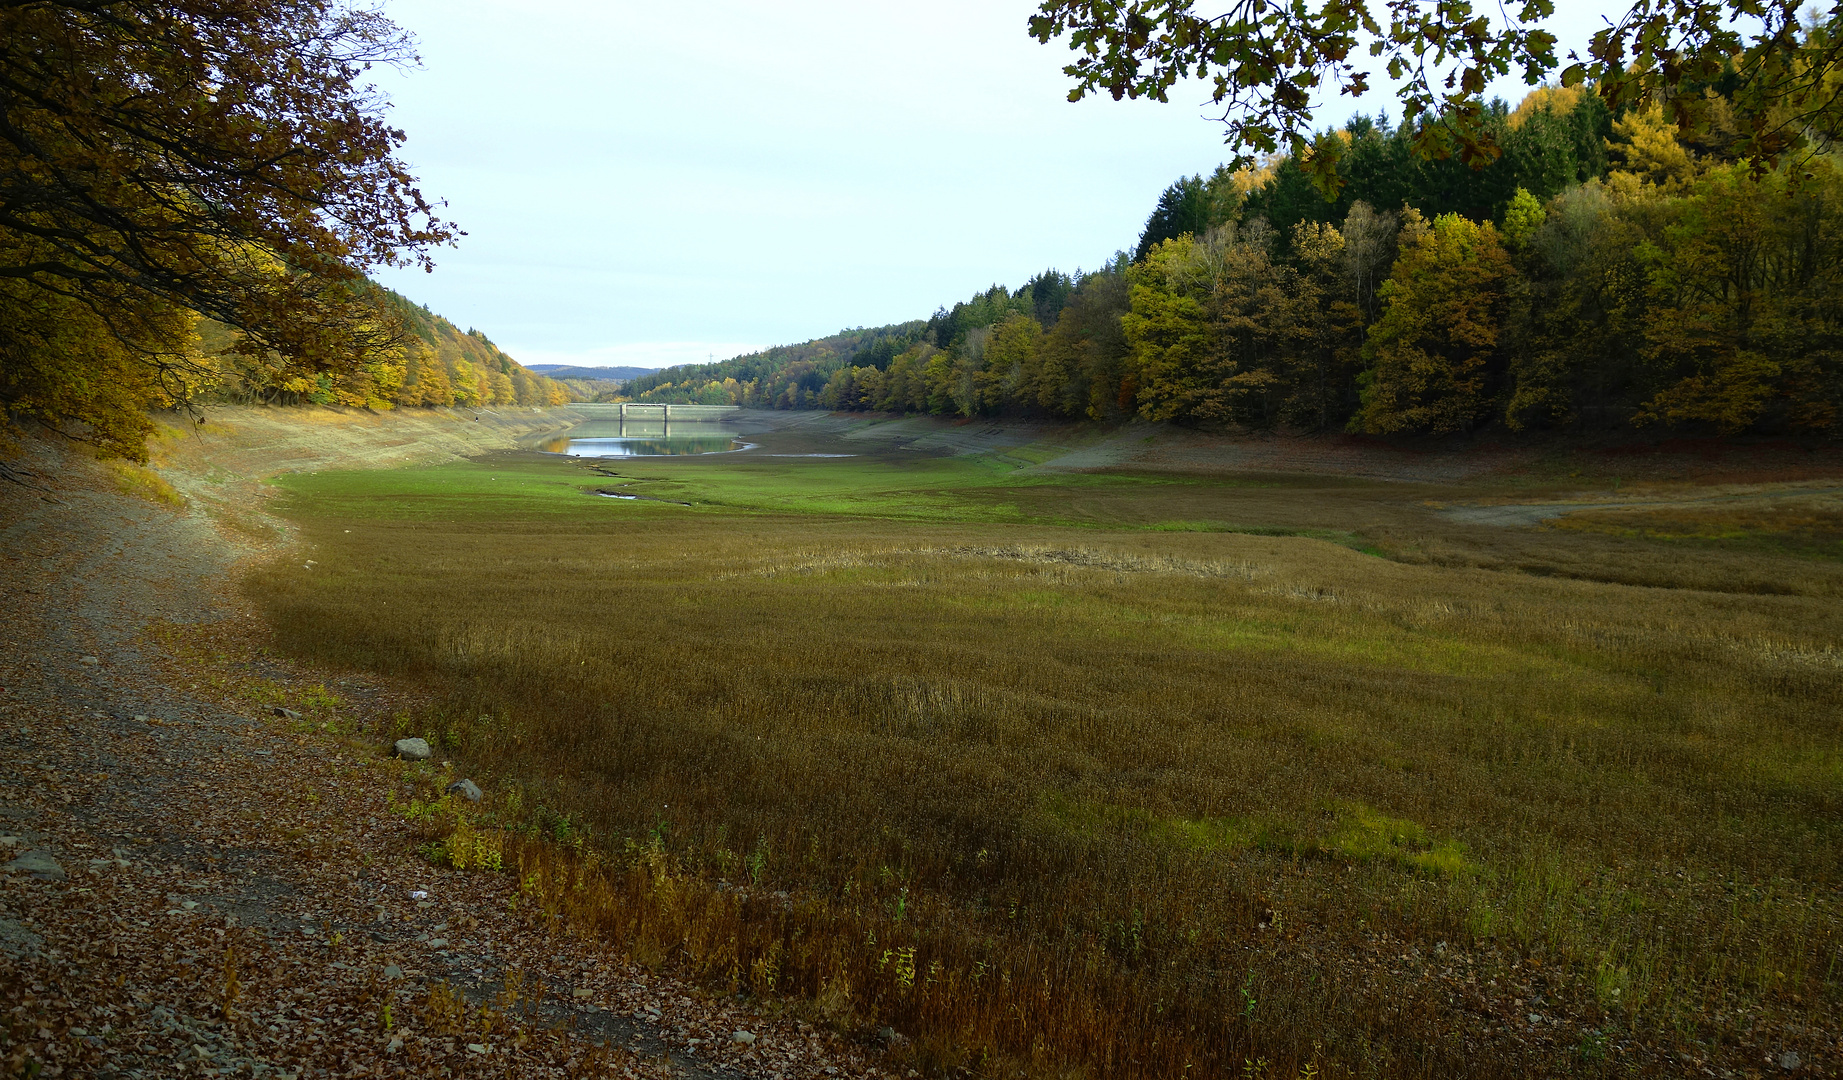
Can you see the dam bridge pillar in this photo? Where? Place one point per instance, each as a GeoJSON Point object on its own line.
{"type": "Point", "coordinates": [665, 413]}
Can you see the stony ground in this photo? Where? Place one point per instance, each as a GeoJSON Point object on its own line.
{"type": "Point", "coordinates": [195, 885]}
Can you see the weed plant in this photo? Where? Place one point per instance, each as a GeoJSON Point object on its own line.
{"type": "Point", "coordinates": [1115, 800]}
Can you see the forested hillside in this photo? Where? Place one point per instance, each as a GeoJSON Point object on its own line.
{"type": "Point", "coordinates": [444, 366]}
{"type": "Point", "coordinates": [435, 363]}
{"type": "Point", "coordinates": [785, 377]}
{"type": "Point", "coordinates": [1603, 272]}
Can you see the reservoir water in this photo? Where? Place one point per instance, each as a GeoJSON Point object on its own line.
{"type": "Point", "coordinates": [640, 438]}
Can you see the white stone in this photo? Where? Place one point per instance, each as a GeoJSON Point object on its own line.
{"type": "Point", "coordinates": [413, 749]}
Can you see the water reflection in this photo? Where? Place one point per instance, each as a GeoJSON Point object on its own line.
{"type": "Point", "coordinates": [640, 438]}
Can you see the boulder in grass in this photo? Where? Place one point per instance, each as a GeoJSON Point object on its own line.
{"type": "Point", "coordinates": [285, 713]}
{"type": "Point", "coordinates": [466, 789]}
{"type": "Point", "coordinates": [413, 749]}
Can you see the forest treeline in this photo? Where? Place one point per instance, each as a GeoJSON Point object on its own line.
{"type": "Point", "coordinates": [78, 369]}
{"type": "Point", "coordinates": [432, 362]}
{"type": "Point", "coordinates": [1605, 271]}
{"type": "Point", "coordinates": [442, 365]}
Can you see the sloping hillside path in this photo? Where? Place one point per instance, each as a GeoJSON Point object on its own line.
{"type": "Point", "coordinates": [193, 887]}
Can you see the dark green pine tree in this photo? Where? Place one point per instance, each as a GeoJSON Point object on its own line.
{"type": "Point", "coordinates": [1288, 198]}
{"type": "Point", "coordinates": [1183, 208]}
{"type": "Point", "coordinates": [1049, 294]}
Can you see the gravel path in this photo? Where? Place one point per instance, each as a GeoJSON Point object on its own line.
{"type": "Point", "coordinates": [196, 886]}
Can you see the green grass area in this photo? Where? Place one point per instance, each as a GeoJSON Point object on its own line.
{"type": "Point", "coordinates": [509, 488]}
{"type": "Point", "coordinates": [921, 488]}
{"type": "Point", "coordinates": [968, 489]}
{"type": "Point", "coordinates": [980, 751]}
{"type": "Point", "coordinates": [524, 487]}
{"type": "Point", "coordinates": [1810, 531]}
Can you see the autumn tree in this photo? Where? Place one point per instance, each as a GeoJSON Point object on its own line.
{"type": "Point", "coordinates": [1745, 318]}
{"type": "Point", "coordinates": [62, 361]}
{"type": "Point", "coordinates": [1320, 352]}
{"type": "Point", "coordinates": [213, 157]}
{"type": "Point", "coordinates": [904, 387]}
{"type": "Point", "coordinates": [1082, 359]}
{"type": "Point", "coordinates": [425, 377]}
{"type": "Point", "coordinates": [1433, 356]}
{"type": "Point", "coordinates": [1167, 333]}
{"type": "Point", "coordinates": [1575, 335]}
{"type": "Point", "coordinates": [1522, 218]}
{"type": "Point", "coordinates": [1013, 364]}
{"type": "Point", "coordinates": [1265, 62]}
{"type": "Point", "coordinates": [1369, 251]}
{"type": "Point", "coordinates": [1223, 330]}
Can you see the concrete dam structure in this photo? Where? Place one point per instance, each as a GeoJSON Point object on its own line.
{"type": "Point", "coordinates": [640, 410]}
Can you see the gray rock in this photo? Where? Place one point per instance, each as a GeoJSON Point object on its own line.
{"type": "Point", "coordinates": [1790, 1060]}
{"type": "Point", "coordinates": [746, 1038]}
{"type": "Point", "coordinates": [285, 713]}
{"type": "Point", "coordinates": [88, 660]}
{"type": "Point", "coordinates": [38, 864]}
{"type": "Point", "coordinates": [413, 749]}
{"type": "Point", "coordinates": [17, 941]}
{"type": "Point", "coordinates": [466, 789]}
{"type": "Point", "coordinates": [392, 971]}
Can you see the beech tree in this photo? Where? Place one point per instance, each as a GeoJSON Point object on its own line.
{"type": "Point", "coordinates": [217, 158]}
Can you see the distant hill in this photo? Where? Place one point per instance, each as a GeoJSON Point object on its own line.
{"type": "Point", "coordinates": [606, 374]}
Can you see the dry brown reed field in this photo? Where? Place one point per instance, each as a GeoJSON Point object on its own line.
{"type": "Point", "coordinates": [1049, 785]}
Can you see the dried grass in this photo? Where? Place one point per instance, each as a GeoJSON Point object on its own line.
{"type": "Point", "coordinates": [1135, 804]}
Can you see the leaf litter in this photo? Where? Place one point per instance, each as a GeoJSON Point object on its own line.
{"type": "Point", "coordinates": [236, 896]}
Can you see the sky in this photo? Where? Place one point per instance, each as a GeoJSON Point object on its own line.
{"type": "Point", "coordinates": [653, 184]}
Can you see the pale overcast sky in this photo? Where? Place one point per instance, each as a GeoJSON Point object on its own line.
{"type": "Point", "coordinates": [656, 183]}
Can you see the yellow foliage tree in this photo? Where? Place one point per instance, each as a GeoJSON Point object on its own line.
{"type": "Point", "coordinates": [1644, 151]}
{"type": "Point", "coordinates": [1433, 353]}
{"type": "Point", "coordinates": [1013, 363]}
{"type": "Point", "coordinates": [1167, 330]}
{"type": "Point", "coordinates": [1559, 100]}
